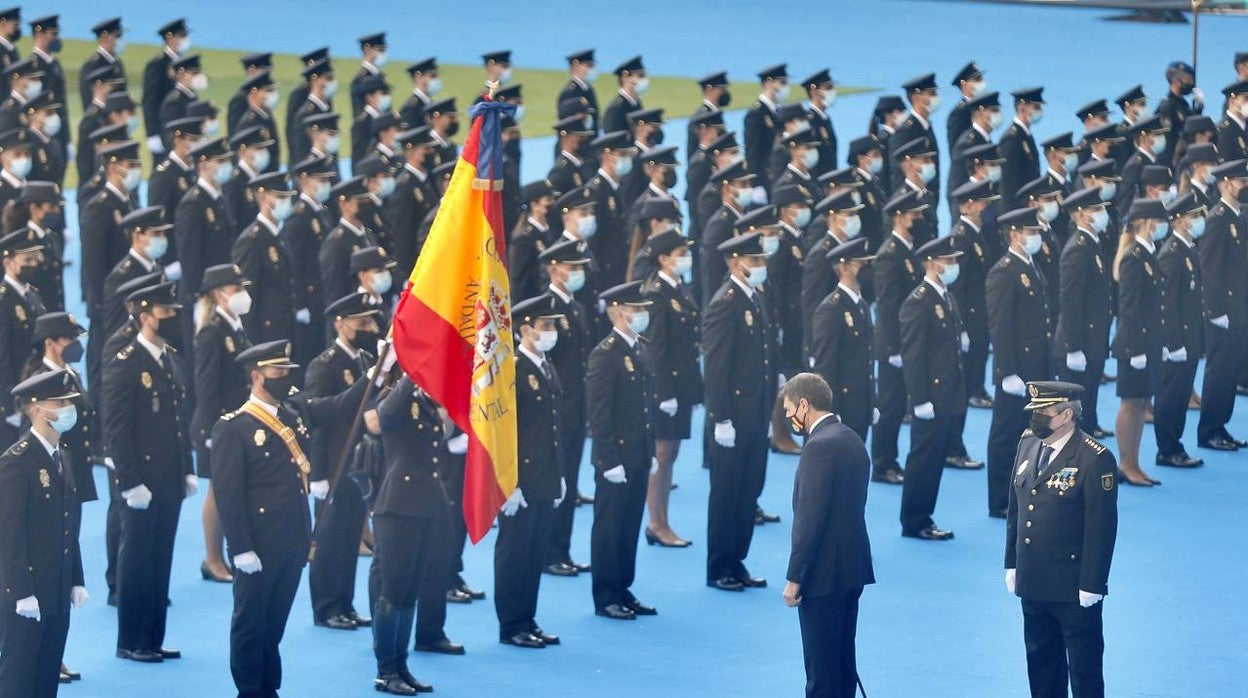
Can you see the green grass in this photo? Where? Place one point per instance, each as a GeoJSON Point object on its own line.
{"type": "Point", "coordinates": [678, 96]}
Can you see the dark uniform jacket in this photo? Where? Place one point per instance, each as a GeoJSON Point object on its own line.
{"type": "Point", "coordinates": [736, 338]}
{"type": "Point", "coordinates": [931, 337]}
{"type": "Point", "coordinates": [674, 347]}
{"type": "Point", "coordinates": [17, 328]}
{"type": "Point", "coordinates": [266, 262]}
{"type": "Point", "coordinates": [840, 348]}
{"type": "Point", "coordinates": [1139, 305]}
{"type": "Point", "coordinates": [1182, 303]}
{"type": "Point", "coordinates": [330, 373]}
{"type": "Point", "coordinates": [1232, 140]}
{"type": "Point", "coordinates": [128, 269]}
{"type": "Point", "coordinates": [99, 59]}
{"type": "Point", "coordinates": [571, 353]}
{"type": "Point", "coordinates": [54, 82]}
{"type": "Point", "coordinates": [84, 159]}
{"type": "Point", "coordinates": [417, 462]}
{"type": "Point", "coordinates": [1022, 163]}
{"type": "Point", "coordinates": [1130, 188]}
{"type": "Point", "coordinates": [204, 230]}
{"type": "Point", "coordinates": [784, 295]}
{"type": "Point", "coordinates": [911, 129]}
{"type": "Point", "coordinates": [567, 175]}
{"type": "Point", "coordinates": [761, 127]}
{"type": "Point", "coordinates": [897, 272]}
{"type": "Point", "coordinates": [576, 89]}
{"type": "Point", "coordinates": [357, 87]}
{"type": "Point", "coordinates": [103, 244]}
{"type": "Point", "coordinates": [335, 260]}
{"type": "Point", "coordinates": [412, 112]}
{"type": "Point", "coordinates": [615, 118]}
{"type": "Point", "coordinates": [172, 108]}
{"type": "Point", "coordinates": [166, 187]}
{"type": "Point", "coordinates": [1223, 249]}
{"type": "Point", "coordinates": [48, 277]}
{"type": "Point", "coordinates": [221, 383]}
{"type": "Point", "coordinates": [8, 56]}
{"type": "Point", "coordinates": [1018, 320]}
{"type": "Point", "coordinates": [1084, 299]}
{"type": "Point", "coordinates": [76, 443]}
{"type": "Point", "coordinates": [818, 280]}
{"type": "Point", "coordinates": [1174, 110]}
{"type": "Point", "coordinates": [303, 233]}
{"type": "Point", "coordinates": [413, 197]}
{"type": "Point", "coordinates": [968, 138]}
{"type": "Point", "coordinates": [240, 200]}
{"type": "Point", "coordinates": [540, 454]}
{"type": "Point", "coordinates": [969, 293]}
{"type": "Point", "coordinates": [157, 82]}
{"type": "Point", "coordinates": [957, 124]}
{"type": "Point", "coordinates": [821, 126]}
{"type": "Point", "coordinates": [610, 242]}
{"type": "Point", "coordinates": [267, 122]}
{"type": "Point", "coordinates": [297, 141]}
{"type": "Point", "coordinates": [528, 277]}
{"type": "Point", "coordinates": [619, 386]}
{"type": "Point", "coordinates": [48, 157]}
{"type": "Point", "coordinates": [719, 227]}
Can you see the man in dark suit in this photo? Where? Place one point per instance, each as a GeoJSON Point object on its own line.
{"type": "Point", "coordinates": [830, 560]}
{"type": "Point", "coordinates": [1183, 329]}
{"type": "Point", "coordinates": [1060, 532]}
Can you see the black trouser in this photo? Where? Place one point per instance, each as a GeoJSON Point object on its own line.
{"type": "Point", "coordinates": [1064, 644]}
{"type": "Point", "coordinates": [402, 545]}
{"type": "Point", "coordinates": [737, 476]}
{"type": "Point", "coordinates": [891, 401]}
{"type": "Point", "coordinates": [30, 654]}
{"type": "Point", "coordinates": [929, 442]}
{"type": "Point", "coordinates": [1170, 405]}
{"type": "Point", "coordinates": [829, 624]}
{"type": "Point", "coordinates": [572, 439]}
{"type": "Point", "coordinates": [976, 362]}
{"type": "Point", "coordinates": [518, 561]}
{"type": "Point", "coordinates": [112, 530]}
{"type": "Point", "coordinates": [613, 538]}
{"type": "Point", "coordinates": [1090, 379]}
{"type": "Point", "coordinates": [143, 567]}
{"type": "Point", "coordinates": [434, 571]}
{"type": "Point", "coordinates": [459, 528]}
{"type": "Point", "coordinates": [96, 340]}
{"type": "Point", "coordinates": [262, 603]}
{"type": "Point", "coordinates": [1227, 352]}
{"type": "Point", "coordinates": [957, 447]}
{"type": "Point", "coordinates": [1009, 419]}
{"type": "Point", "coordinates": [331, 574]}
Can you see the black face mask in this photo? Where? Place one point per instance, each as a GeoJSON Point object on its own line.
{"type": "Point", "coordinates": [1242, 196]}
{"type": "Point", "coordinates": [365, 339]}
{"type": "Point", "coordinates": [795, 424]}
{"type": "Point", "coordinates": [724, 99]}
{"type": "Point", "coordinates": [452, 129]}
{"type": "Point", "coordinates": [15, 34]}
{"type": "Point", "coordinates": [656, 137]}
{"type": "Point", "coordinates": [1186, 89]}
{"type": "Point", "coordinates": [171, 331]}
{"type": "Point", "coordinates": [669, 179]}
{"type": "Point", "coordinates": [72, 353]}
{"type": "Point", "coordinates": [1041, 425]}
{"type": "Point", "coordinates": [279, 388]}
{"type": "Point", "coordinates": [26, 272]}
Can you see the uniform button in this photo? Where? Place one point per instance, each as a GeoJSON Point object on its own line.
{"type": "Point", "coordinates": [147, 457]}
{"type": "Point", "coordinates": [435, 476]}
{"type": "Point", "coordinates": [1026, 541]}
{"type": "Point", "coordinates": [1031, 507]}
{"type": "Point", "coordinates": [261, 510]}
{"type": "Point", "coordinates": [1072, 556]}
{"type": "Point", "coordinates": [435, 443]}
{"type": "Point", "coordinates": [407, 478]}
{"type": "Point", "coordinates": [435, 459]}
{"type": "Point", "coordinates": [1033, 493]}
{"type": "Point", "coordinates": [1028, 524]}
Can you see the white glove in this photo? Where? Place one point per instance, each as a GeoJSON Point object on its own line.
{"type": "Point", "coordinates": [925, 411]}
{"type": "Point", "coordinates": [28, 608]}
{"type": "Point", "coordinates": [248, 562]}
{"type": "Point", "coordinates": [319, 489]}
{"type": "Point", "coordinates": [391, 356]}
{"type": "Point", "coordinates": [173, 271]}
{"type": "Point", "coordinates": [70, 152]}
{"type": "Point", "coordinates": [14, 419]}
{"type": "Point", "coordinates": [1139, 362]}
{"type": "Point", "coordinates": [208, 444]}
{"type": "Point", "coordinates": [303, 316]}
{"type": "Point", "coordinates": [563, 492]}
{"type": "Point", "coordinates": [654, 465]}
{"type": "Point", "coordinates": [1009, 580]}
{"type": "Point", "coordinates": [615, 475]}
{"type": "Point", "coordinates": [514, 503]}
{"type": "Point", "coordinates": [1076, 361]}
{"type": "Point", "coordinates": [78, 597]}
{"type": "Point", "coordinates": [895, 361]}
{"type": "Point", "coordinates": [457, 445]}
{"type": "Point", "coordinates": [155, 145]}
{"type": "Point", "coordinates": [1178, 356]}
{"type": "Point", "coordinates": [1198, 97]}
{"type": "Point", "coordinates": [1087, 599]}
{"type": "Point", "coordinates": [760, 196]}
{"type": "Point", "coordinates": [965, 342]}
{"type": "Point", "coordinates": [108, 463]}
{"type": "Point", "coordinates": [192, 485]}
{"type": "Point", "coordinates": [1221, 321]}
{"type": "Point", "coordinates": [1014, 385]}
{"type": "Point", "coordinates": [875, 415]}
{"type": "Point", "coordinates": [137, 497]}
{"type": "Point", "coordinates": [668, 407]}
{"type": "Point", "coordinates": [726, 434]}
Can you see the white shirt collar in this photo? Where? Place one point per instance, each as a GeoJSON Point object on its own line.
{"type": "Point", "coordinates": [359, 231]}
{"type": "Point", "coordinates": [909, 245]}
{"type": "Point", "coordinates": [271, 409]}
{"type": "Point", "coordinates": [18, 286]}
{"type": "Point", "coordinates": [234, 323]}
{"type": "Point", "coordinates": [1058, 445]}
{"type": "Point", "coordinates": [563, 296]}
{"type": "Point", "coordinates": [674, 283]}
{"type": "Point", "coordinates": [745, 287]}
{"type": "Point", "coordinates": [630, 341]}
{"type": "Point", "coordinates": [1185, 241]}
{"type": "Point", "coordinates": [923, 121]}
{"type": "Point", "coordinates": [346, 349]}
{"type": "Point", "coordinates": [627, 97]}
{"type": "Point", "coordinates": [1025, 127]}
{"type": "Point", "coordinates": [969, 222]}
{"type": "Point", "coordinates": [571, 158]}
{"type": "Point", "coordinates": [12, 179]}
{"type": "Point", "coordinates": [537, 359]}
{"type": "Point", "coordinates": [313, 203]}
{"type": "Point", "coordinates": [767, 102]}
{"type": "Point", "coordinates": [1146, 244]}
{"type": "Point", "coordinates": [156, 352]}
{"type": "Point", "coordinates": [987, 136]}
{"type": "Point", "coordinates": [933, 284]}
{"type": "Point", "coordinates": [266, 223]}
{"type": "Point", "coordinates": [1058, 175]}
{"type": "Point", "coordinates": [1022, 255]}
{"type": "Point", "coordinates": [318, 101]}
{"type": "Point", "coordinates": [34, 227]}
{"type": "Point", "coordinates": [538, 224]}
{"type": "Point", "coordinates": [853, 296]}
{"type": "Point", "coordinates": [415, 172]}
{"type": "Point", "coordinates": [209, 187]}
{"type": "Point", "coordinates": [819, 421]}
{"type": "Point", "coordinates": [579, 82]}
{"type": "Point", "coordinates": [146, 263]}
{"type": "Point", "coordinates": [47, 57]}
{"type": "Point", "coordinates": [179, 162]}
{"type": "Point", "coordinates": [799, 173]}
{"type": "Point", "coordinates": [50, 447]}
{"type": "Point", "coordinates": [614, 184]}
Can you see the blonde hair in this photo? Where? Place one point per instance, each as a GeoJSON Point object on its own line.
{"type": "Point", "coordinates": [203, 309]}
{"type": "Point", "coordinates": [1124, 243]}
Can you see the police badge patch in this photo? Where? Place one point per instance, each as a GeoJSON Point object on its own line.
{"type": "Point", "coordinates": [628, 364]}
{"type": "Point", "coordinates": [940, 312]}
{"type": "Point", "coordinates": [1107, 481]}
{"type": "Point", "coordinates": [749, 319]}
{"type": "Point", "coordinates": [210, 216]}
{"type": "Point", "coordinates": [45, 480]}
{"type": "Point", "coordinates": [533, 381]}
{"type": "Point", "coordinates": [273, 255]}
{"type": "Point", "coordinates": [146, 379]}
{"type": "Point", "coordinates": [347, 377]}
{"type": "Point", "coordinates": [260, 437]}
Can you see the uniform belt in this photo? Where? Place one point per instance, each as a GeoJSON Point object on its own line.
{"type": "Point", "coordinates": [287, 435]}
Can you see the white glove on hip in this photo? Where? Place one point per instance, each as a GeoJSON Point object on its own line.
{"type": "Point", "coordinates": [1014, 385]}
{"type": "Point", "coordinates": [78, 597]}
{"type": "Point", "coordinates": [1076, 361]}
{"type": "Point", "coordinates": [14, 420]}
{"type": "Point", "coordinates": [192, 485]}
{"type": "Point", "coordinates": [1009, 580]}
{"type": "Point", "coordinates": [28, 608]}
{"type": "Point", "coordinates": [726, 434]}
{"type": "Point", "coordinates": [669, 407]}
{"type": "Point", "coordinates": [615, 475]}
{"type": "Point", "coordinates": [1139, 362]}
{"type": "Point", "coordinates": [563, 491]}
{"type": "Point", "coordinates": [895, 361]}
{"type": "Point", "coordinates": [760, 196]}
{"type": "Point", "coordinates": [514, 503]}
{"type": "Point", "coordinates": [1178, 356]}
{"type": "Point", "coordinates": [1221, 321]}
{"type": "Point", "coordinates": [1087, 599]}
{"type": "Point", "coordinates": [319, 489]}
{"type": "Point", "coordinates": [174, 271]}
{"type": "Point", "coordinates": [248, 562]}
{"type": "Point", "coordinates": [303, 316]}
{"type": "Point", "coordinates": [925, 411]}
{"type": "Point", "coordinates": [875, 415]}
{"type": "Point", "coordinates": [965, 342]}
{"type": "Point", "coordinates": [137, 497]}
{"type": "Point", "coordinates": [457, 445]}
{"type": "Point", "coordinates": [155, 145]}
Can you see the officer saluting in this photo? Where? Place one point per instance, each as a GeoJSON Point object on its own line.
{"type": "Point", "coordinates": [1061, 528]}
{"type": "Point", "coordinates": [40, 561]}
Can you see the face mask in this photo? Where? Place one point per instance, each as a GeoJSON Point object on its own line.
{"type": "Point", "coordinates": [15, 34]}
{"type": "Point", "coordinates": [223, 173]}
{"type": "Point", "coordinates": [994, 174]}
{"type": "Point", "coordinates": [72, 352]}
{"type": "Point", "coordinates": [934, 103]}
{"type": "Point", "coordinates": [33, 89]}
{"type": "Point", "coordinates": [623, 166]}
{"type": "Point", "coordinates": [322, 191]}
{"type": "Point", "coordinates": [387, 186]}
{"type": "Point", "coordinates": [745, 197]}
{"type": "Point", "coordinates": [669, 178]}
{"type": "Point", "coordinates": [724, 99]}
{"type": "Point", "coordinates": [1048, 211]}
{"type": "Point", "coordinates": [384, 102]}
{"type": "Point", "coordinates": [505, 76]}
{"type": "Point", "coordinates": [927, 171]}
{"type": "Point", "coordinates": [156, 247]}
{"type": "Point", "coordinates": [641, 86]}
{"type": "Point", "coordinates": [260, 161]}
{"type": "Point", "coordinates": [978, 88]}
{"type": "Point", "coordinates": [199, 82]}
{"type": "Point", "coordinates": [279, 387]}
{"type": "Point", "coordinates": [382, 281]}
{"type": "Point", "coordinates": [1032, 243]}
{"type": "Point", "coordinates": [829, 98]}
{"type": "Point", "coordinates": [332, 144]}
{"type": "Point", "coordinates": [1041, 425]}
{"type": "Point", "coordinates": [239, 303]}
{"type": "Point", "coordinates": [331, 88]}
{"type": "Point", "coordinates": [183, 44]}
{"type": "Point", "coordinates": [876, 166]}
{"type": "Point", "coordinates": [1159, 145]}
{"type": "Point", "coordinates": [271, 99]}
{"type": "Point", "coordinates": [1070, 162]}
{"type": "Point", "coordinates": [211, 126]}
{"type": "Point", "coordinates": [995, 119]}
{"type": "Point", "coordinates": [1160, 228]}
{"type": "Point", "coordinates": [546, 340]}
{"type": "Point", "coordinates": [1037, 116]}
{"type": "Point", "coordinates": [897, 119]}
{"type": "Point", "coordinates": [853, 226]}
{"type": "Point", "coordinates": [810, 158]}
{"type": "Point", "coordinates": [52, 125]}
{"type": "Point", "coordinates": [757, 275]}
{"type": "Point", "coordinates": [452, 129]}
{"type": "Point", "coordinates": [783, 93]}
{"type": "Point", "coordinates": [803, 217]}
{"type": "Point", "coordinates": [519, 115]}
{"type": "Point", "coordinates": [1186, 89]}
{"type": "Point", "coordinates": [380, 59]}
{"type": "Point", "coordinates": [1108, 190]}
{"type": "Point", "coordinates": [134, 175]}
{"type": "Point", "coordinates": [587, 226]}
{"type": "Point", "coordinates": [1168, 196]}
{"type": "Point", "coordinates": [591, 76]}
{"type": "Point", "coordinates": [575, 280]}
{"type": "Point", "coordinates": [640, 321]}
{"type": "Point", "coordinates": [684, 264]}
{"type": "Point", "coordinates": [795, 425]}
{"type": "Point", "coordinates": [66, 418]}
{"type": "Point", "coordinates": [20, 167]}
{"type": "Point", "coordinates": [949, 274]}
{"type": "Point", "coordinates": [770, 243]}
{"type": "Point", "coordinates": [132, 125]}
{"type": "Point", "coordinates": [1100, 220]}
{"type": "Point", "coordinates": [1208, 177]}
{"type": "Point", "coordinates": [282, 208]}
{"type": "Point", "coordinates": [26, 273]}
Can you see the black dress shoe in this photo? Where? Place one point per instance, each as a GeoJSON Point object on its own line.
{"type": "Point", "coordinates": [64, 678]}
{"type": "Point", "coordinates": [726, 584]}
{"type": "Point", "coordinates": [457, 596]}
{"type": "Point", "coordinates": [359, 620]}
{"type": "Point", "coordinates": [892, 476]}
{"type": "Point", "coordinates": [979, 402]}
{"type": "Point", "coordinates": [752, 582]}
{"type": "Point", "coordinates": [963, 463]}
{"type": "Point", "coordinates": [1239, 443]}
{"type": "Point", "coordinates": [474, 594]}
{"type": "Point", "coordinates": [73, 675]}
{"type": "Point", "coordinates": [762, 517]}
{"type": "Point", "coordinates": [1148, 482]}
{"type": "Point", "coordinates": [145, 656]}
{"type": "Point", "coordinates": [616, 612]}
{"type": "Point", "coordinates": [641, 609]}
{"type": "Point", "coordinates": [394, 684]}
{"type": "Point", "coordinates": [420, 686]}
{"type": "Point", "coordinates": [443, 646]}
{"type": "Point", "coordinates": [561, 569]}
{"type": "Point", "coordinates": [339, 622]}
{"type": "Point", "coordinates": [526, 640]}
{"type": "Point", "coordinates": [583, 499]}
{"type": "Point", "coordinates": [169, 653]}
{"type": "Point", "coordinates": [545, 636]}
{"type": "Point", "coordinates": [930, 532]}
{"type": "Point", "coordinates": [1100, 433]}
{"type": "Point", "coordinates": [1218, 443]}
{"type": "Point", "coordinates": [582, 567]}
{"type": "Point", "coordinates": [1179, 460]}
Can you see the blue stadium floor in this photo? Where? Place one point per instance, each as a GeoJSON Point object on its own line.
{"type": "Point", "coordinates": [939, 622]}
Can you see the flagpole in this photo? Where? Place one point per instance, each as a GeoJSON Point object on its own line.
{"type": "Point", "coordinates": [1195, 30]}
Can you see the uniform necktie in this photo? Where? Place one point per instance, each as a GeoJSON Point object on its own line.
{"type": "Point", "coordinates": [1046, 453]}
{"type": "Point", "coordinates": [754, 300]}
{"type": "Point", "coordinates": [546, 369]}
{"type": "Point", "coordinates": [166, 362]}
{"type": "Point", "coordinates": [29, 297]}
{"type": "Point", "coordinates": [56, 460]}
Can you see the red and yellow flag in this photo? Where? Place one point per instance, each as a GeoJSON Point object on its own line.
{"type": "Point", "coordinates": [452, 326]}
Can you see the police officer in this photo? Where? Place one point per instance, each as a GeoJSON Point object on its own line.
{"type": "Point", "coordinates": [318, 81]}
{"type": "Point", "coordinates": [349, 235]}
{"type": "Point", "coordinates": [188, 81]}
{"type": "Point", "coordinates": [921, 92]}
{"type": "Point", "coordinates": [10, 32]}
{"type": "Point", "coordinates": [443, 120]}
{"type": "Point", "coordinates": [715, 97]}
{"type": "Point", "coordinates": [931, 348]}
{"type": "Point", "coordinates": [38, 211]}
{"type": "Point", "coordinates": [821, 89]}
{"type": "Point", "coordinates": [323, 141]}
{"type": "Point", "coordinates": [1018, 146]}
{"type": "Point", "coordinates": [203, 228]}
{"type": "Point", "coordinates": [414, 196]}
{"type": "Point", "coordinates": [841, 221]}
{"type": "Point", "coordinates": [426, 84]}
{"type": "Point", "coordinates": [100, 83]}
{"type": "Point", "coordinates": [251, 152]}
{"type": "Point", "coordinates": [735, 186]}
{"type": "Point", "coordinates": [983, 116]}
{"type": "Point", "coordinates": [262, 100]}
{"type": "Point", "coordinates": [762, 126]}
{"type": "Point", "coordinates": [20, 305]}
{"type": "Point", "coordinates": [1018, 322]}
{"type": "Point", "coordinates": [148, 233]}
{"type": "Point", "coordinates": [840, 343]}
{"type": "Point", "coordinates": [631, 75]}
{"type": "Point", "coordinates": [531, 238]}
{"type": "Point", "coordinates": [369, 78]}
{"type": "Point", "coordinates": [1232, 132]}
{"type": "Point", "coordinates": [253, 64]}
{"type": "Point", "coordinates": [619, 388]}
{"type": "Point", "coordinates": [40, 559]}
{"type": "Point", "coordinates": [1182, 327]}
{"type": "Point", "coordinates": [173, 177]}
{"type": "Point", "coordinates": [616, 155]}
{"type": "Point", "coordinates": [265, 260]}
{"type": "Point", "coordinates": [705, 129]}
{"type": "Point", "coordinates": [1061, 157]}
{"type": "Point", "coordinates": [103, 243]}
{"type": "Point", "coordinates": [1061, 527]}
{"type": "Point", "coordinates": [915, 162]}
{"type": "Point", "coordinates": [573, 167]}
{"type": "Point", "coordinates": [736, 340]}
{"type": "Point", "coordinates": [147, 436]}
{"type": "Point", "coordinates": [971, 85]}
{"type": "Point", "coordinates": [158, 81]}
{"type": "Point", "coordinates": [303, 233]}
{"type": "Point", "coordinates": [974, 198]}
{"type": "Point", "coordinates": [1174, 109]}
{"type": "Point", "coordinates": [45, 35]}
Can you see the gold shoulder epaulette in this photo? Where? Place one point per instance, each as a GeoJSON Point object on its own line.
{"type": "Point", "coordinates": [1093, 444]}
{"type": "Point", "coordinates": [126, 352]}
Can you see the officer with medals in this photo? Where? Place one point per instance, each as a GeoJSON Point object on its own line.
{"type": "Point", "coordinates": [40, 560]}
{"type": "Point", "coordinates": [840, 343]}
{"type": "Point", "coordinates": [1060, 532]}
{"type": "Point", "coordinates": [20, 305]}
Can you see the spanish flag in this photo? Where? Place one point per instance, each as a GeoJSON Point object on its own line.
{"type": "Point", "coordinates": [452, 326]}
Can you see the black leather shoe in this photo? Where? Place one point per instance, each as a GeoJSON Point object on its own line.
{"type": "Point", "coordinates": [64, 678]}
{"type": "Point", "coordinates": [443, 646]}
{"type": "Point", "coordinates": [979, 402]}
{"type": "Point", "coordinates": [582, 567]}
{"type": "Point", "coordinates": [1239, 443]}
{"type": "Point", "coordinates": [1100, 433]}
{"type": "Point", "coordinates": [394, 684]}
{"type": "Point", "coordinates": [145, 656]}
{"type": "Point", "coordinates": [583, 499]}
{"type": "Point", "coordinates": [526, 640]}
{"type": "Point", "coordinates": [616, 612]}
{"type": "Point", "coordinates": [931, 532]}
{"type": "Point", "coordinates": [338, 622]}
{"type": "Point", "coordinates": [361, 621]}
{"type": "Point", "coordinates": [561, 569]}
{"type": "Point", "coordinates": [169, 653]}
{"type": "Point", "coordinates": [474, 594]}
{"type": "Point", "coordinates": [963, 463]}
{"type": "Point", "coordinates": [752, 582]}
{"type": "Point", "coordinates": [1218, 443]}
{"type": "Point", "coordinates": [892, 476]}
{"type": "Point", "coordinates": [761, 517]}
{"type": "Point", "coordinates": [546, 637]}
{"type": "Point", "coordinates": [726, 584]}
{"type": "Point", "coordinates": [73, 675]}
{"type": "Point", "coordinates": [641, 609]}
{"type": "Point", "coordinates": [457, 596]}
{"type": "Point", "coordinates": [1180, 460]}
{"type": "Point", "coordinates": [420, 686]}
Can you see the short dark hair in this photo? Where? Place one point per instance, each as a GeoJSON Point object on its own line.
{"type": "Point", "coordinates": [812, 388]}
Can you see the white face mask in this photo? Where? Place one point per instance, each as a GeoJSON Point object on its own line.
{"type": "Point", "coordinates": [1048, 211]}
{"type": "Point", "coordinates": [33, 89]}
{"type": "Point", "coordinates": [1036, 117]}
{"type": "Point", "coordinates": [134, 175]}
{"type": "Point", "coordinates": [641, 86]}
{"type": "Point", "coordinates": [853, 226]}
{"type": "Point", "coordinates": [380, 59]}
{"type": "Point", "coordinates": [199, 82]}
{"type": "Point", "coordinates": [1100, 220]}
{"type": "Point", "coordinates": [20, 167]}
{"type": "Point", "coordinates": [623, 166]}
{"type": "Point", "coordinates": [933, 104]}
{"type": "Point", "coordinates": [387, 186]}
{"type": "Point", "coordinates": [897, 119]}
{"type": "Point", "coordinates": [757, 276]}
{"type": "Point", "coordinates": [978, 88]}
{"type": "Point", "coordinates": [810, 158]}
{"type": "Point", "coordinates": [927, 171]}
{"type": "Point", "coordinates": [829, 98]}
{"type": "Point", "coordinates": [803, 217]}
{"type": "Point", "coordinates": [322, 191]}
{"type": "Point", "coordinates": [239, 303]}
{"type": "Point", "coordinates": [1159, 144]}
{"type": "Point", "coordinates": [640, 321]}
{"type": "Point", "coordinates": [995, 119]}
{"type": "Point", "coordinates": [66, 418]}
{"type": "Point", "coordinates": [876, 166]}
{"type": "Point", "coordinates": [132, 125]}
{"type": "Point", "coordinates": [994, 173]}
{"type": "Point", "coordinates": [587, 226]}
{"type": "Point", "coordinates": [575, 280]}
{"type": "Point", "coordinates": [282, 208]}
{"type": "Point", "coordinates": [591, 76]}
{"type": "Point", "coordinates": [505, 76]}
{"type": "Point", "coordinates": [1108, 190]}
{"type": "Point", "coordinates": [1032, 243]}
{"type": "Point", "coordinates": [331, 88]}
{"type": "Point", "coordinates": [1160, 228]}
{"type": "Point", "coordinates": [119, 47]}
{"type": "Point", "coordinates": [211, 126]}
{"type": "Point", "coordinates": [385, 102]}
{"type": "Point", "coordinates": [156, 247]}
{"type": "Point", "coordinates": [783, 93]}
{"type": "Point", "coordinates": [260, 160]}
{"type": "Point", "coordinates": [546, 340]}
{"type": "Point", "coordinates": [382, 281]}
{"type": "Point", "coordinates": [52, 125]}
{"type": "Point", "coordinates": [1169, 195]}
{"type": "Point", "coordinates": [745, 197]}
{"type": "Point", "coordinates": [770, 243]}
{"type": "Point", "coordinates": [1196, 227]}
{"type": "Point", "coordinates": [223, 173]}
{"type": "Point", "coordinates": [183, 44]}
{"type": "Point", "coordinates": [684, 264]}
{"type": "Point", "coordinates": [1070, 162]}
{"type": "Point", "coordinates": [949, 274]}
{"type": "Point", "coordinates": [333, 143]}
{"type": "Point", "coordinates": [1208, 177]}
{"type": "Point", "coordinates": [271, 99]}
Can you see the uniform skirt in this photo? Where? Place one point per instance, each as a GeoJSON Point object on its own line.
{"type": "Point", "coordinates": [1135, 384]}
{"type": "Point", "coordinates": [203, 461]}
{"type": "Point", "coordinates": [676, 427]}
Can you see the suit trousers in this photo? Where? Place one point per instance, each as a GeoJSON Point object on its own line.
{"type": "Point", "coordinates": [1226, 355]}
{"type": "Point", "coordinates": [929, 442]}
{"type": "Point", "coordinates": [572, 440]}
{"type": "Point", "coordinates": [331, 573]}
{"type": "Point", "coordinates": [30, 654]}
{"type": "Point", "coordinates": [1170, 405]}
{"type": "Point", "coordinates": [1009, 419]}
{"type": "Point", "coordinates": [262, 603]}
{"type": "Point", "coordinates": [1064, 645]}
{"type": "Point", "coordinates": [891, 401]}
{"type": "Point", "coordinates": [518, 561]}
{"type": "Point", "coordinates": [112, 531]}
{"type": "Point", "coordinates": [613, 538]}
{"type": "Point", "coordinates": [435, 570]}
{"type": "Point", "coordinates": [737, 476]}
{"type": "Point", "coordinates": [829, 624]}
{"type": "Point", "coordinates": [144, 563]}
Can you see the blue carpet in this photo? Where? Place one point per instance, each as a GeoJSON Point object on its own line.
{"type": "Point", "coordinates": [939, 623]}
